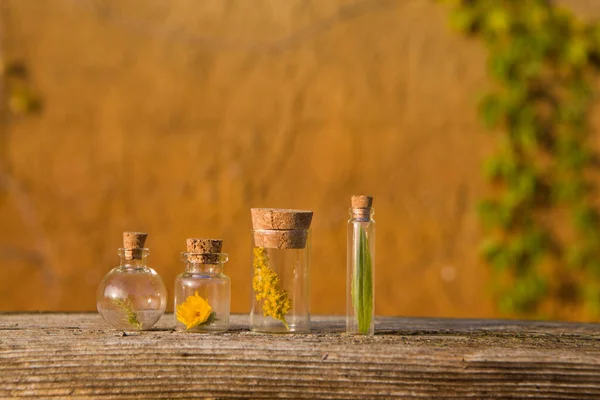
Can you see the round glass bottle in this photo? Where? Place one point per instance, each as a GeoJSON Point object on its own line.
{"type": "Point", "coordinates": [132, 296]}
{"type": "Point", "coordinates": [360, 282]}
{"type": "Point", "coordinates": [203, 291]}
{"type": "Point", "coordinates": [280, 270]}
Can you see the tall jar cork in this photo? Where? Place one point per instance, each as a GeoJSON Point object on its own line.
{"type": "Point", "coordinates": [132, 296]}
{"type": "Point", "coordinates": [202, 291]}
{"type": "Point", "coordinates": [280, 270]}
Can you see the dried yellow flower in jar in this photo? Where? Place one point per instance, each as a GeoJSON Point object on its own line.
{"type": "Point", "coordinates": [266, 285]}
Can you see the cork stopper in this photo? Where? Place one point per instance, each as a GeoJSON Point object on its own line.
{"type": "Point", "coordinates": [280, 218]}
{"type": "Point", "coordinates": [362, 201]}
{"type": "Point", "coordinates": [284, 239]}
{"type": "Point", "coordinates": [280, 228]}
{"type": "Point", "coordinates": [203, 250]}
{"type": "Point", "coordinates": [133, 243]}
{"type": "Point", "coordinates": [204, 246]}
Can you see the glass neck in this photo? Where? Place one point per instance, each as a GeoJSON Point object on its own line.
{"type": "Point", "coordinates": [211, 263]}
{"type": "Point", "coordinates": [362, 214]}
{"type": "Point", "coordinates": [133, 264]}
{"type": "Point", "coordinates": [133, 258]}
{"type": "Point", "coordinates": [195, 267]}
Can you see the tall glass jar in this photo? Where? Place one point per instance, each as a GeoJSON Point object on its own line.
{"type": "Point", "coordinates": [360, 282]}
{"type": "Point", "coordinates": [280, 271]}
{"type": "Point", "coordinates": [203, 291]}
{"type": "Point", "coordinates": [132, 296]}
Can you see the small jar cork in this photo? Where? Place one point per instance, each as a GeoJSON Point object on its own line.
{"type": "Point", "coordinates": [280, 228]}
{"type": "Point", "coordinates": [203, 250]}
{"type": "Point", "coordinates": [133, 243]}
{"type": "Point", "coordinates": [204, 246]}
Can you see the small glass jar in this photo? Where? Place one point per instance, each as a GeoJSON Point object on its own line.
{"type": "Point", "coordinates": [203, 291]}
{"type": "Point", "coordinates": [360, 282]}
{"type": "Point", "coordinates": [280, 283]}
{"type": "Point", "coordinates": [132, 296]}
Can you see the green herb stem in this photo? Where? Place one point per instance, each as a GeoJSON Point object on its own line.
{"type": "Point", "coordinates": [362, 283]}
{"type": "Point", "coordinates": [126, 307]}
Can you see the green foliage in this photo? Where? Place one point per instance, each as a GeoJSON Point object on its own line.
{"type": "Point", "coordinates": [543, 62]}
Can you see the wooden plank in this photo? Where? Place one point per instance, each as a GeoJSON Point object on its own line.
{"type": "Point", "coordinates": [77, 355]}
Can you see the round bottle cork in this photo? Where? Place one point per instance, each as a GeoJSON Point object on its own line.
{"type": "Point", "coordinates": [280, 218]}
{"type": "Point", "coordinates": [362, 201]}
{"type": "Point", "coordinates": [205, 251]}
{"type": "Point", "coordinates": [133, 243]}
{"type": "Point", "coordinates": [279, 228]}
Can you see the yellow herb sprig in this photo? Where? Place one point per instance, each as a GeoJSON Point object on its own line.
{"type": "Point", "coordinates": [126, 306]}
{"type": "Point", "coordinates": [266, 284]}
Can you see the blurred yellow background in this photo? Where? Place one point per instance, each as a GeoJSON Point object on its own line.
{"type": "Point", "coordinates": [176, 117]}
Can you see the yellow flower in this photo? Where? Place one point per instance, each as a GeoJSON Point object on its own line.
{"type": "Point", "coordinates": [266, 285]}
{"type": "Point", "coordinates": [194, 311]}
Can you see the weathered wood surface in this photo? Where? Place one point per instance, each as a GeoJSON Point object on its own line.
{"type": "Point", "coordinates": [77, 355]}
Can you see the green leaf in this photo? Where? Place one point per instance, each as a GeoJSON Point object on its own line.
{"type": "Point", "coordinates": [497, 21]}
{"type": "Point", "coordinates": [586, 219]}
{"type": "Point", "coordinates": [362, 283]}
{"type": "Point", "coordinates": [491, 110]}
{"type": "Point", "coordinates": [577, 51]}
{"type": "Point", "coordinates": [462, 19]}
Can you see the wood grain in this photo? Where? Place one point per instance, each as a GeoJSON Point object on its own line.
{"type": "Point", "coordinates": [77, 355]}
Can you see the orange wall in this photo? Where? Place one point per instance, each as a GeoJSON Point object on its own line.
{"type": "Point", "coordinates": [176, 117]}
